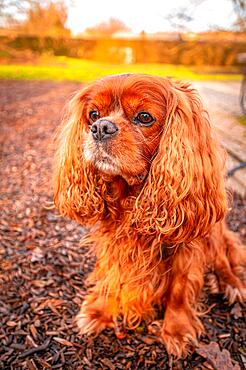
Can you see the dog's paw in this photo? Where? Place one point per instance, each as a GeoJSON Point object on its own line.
{"type": "Point", "coordinates": [92, 319]}
{"type": "Point", "coordinates": [86, 323]}
{"type": "Point", "coordinates": [235, 294]}
{"type": "Point", "coordinates": [179, 345]}
{"type": "Point", "coordinates": [180, 336]}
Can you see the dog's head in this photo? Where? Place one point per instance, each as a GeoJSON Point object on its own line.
{"type": "Point", "coordinates": [147, 134]}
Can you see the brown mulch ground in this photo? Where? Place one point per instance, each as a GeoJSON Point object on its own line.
{"type": "Point", "coordinates": [42, 268]}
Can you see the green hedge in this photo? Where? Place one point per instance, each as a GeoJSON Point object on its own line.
{"type": "Point", "coordinates": [220, 53]}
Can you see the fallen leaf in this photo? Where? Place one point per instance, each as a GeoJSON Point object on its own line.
{"type": "Point", "coordinates": [215, 357]}
{"type": "Point", "coordinates": [108, 363]}
{"type": "Point", "coordinates": [37, 254]}
{"type": "Point", "coordinates": [236, 311]}
{"type": "Point", "coordinates": [64, 342]}
{"type": "Point", "coordinates": [11, 323]}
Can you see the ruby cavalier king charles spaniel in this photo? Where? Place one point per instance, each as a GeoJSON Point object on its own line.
{"type": "Point", "coordinates": [138, 164]}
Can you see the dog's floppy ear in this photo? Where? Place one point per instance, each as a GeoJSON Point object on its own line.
{"type": "Point", "coordinates": [184, 194]}
{"type": "Point", "coordinates": [77, 187]}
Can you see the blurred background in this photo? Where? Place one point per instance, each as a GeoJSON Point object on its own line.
{"type": "Point", "coordinates": [79, 41]}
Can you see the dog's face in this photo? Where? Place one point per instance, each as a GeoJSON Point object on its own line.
{"type": "Point", "coordinates": [123, 121]}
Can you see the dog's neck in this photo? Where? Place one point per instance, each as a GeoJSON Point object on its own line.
{"type": "Point", "coordinates": [119, 196]}
{"type": "Point", "coordinates": [119, 187]}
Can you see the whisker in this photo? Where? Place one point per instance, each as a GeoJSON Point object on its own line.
{"type": "Point", "coordinates": [147, 143]}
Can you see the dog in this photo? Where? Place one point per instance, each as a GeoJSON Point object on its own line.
{"type": "Point", "coordinates": [137, 162]}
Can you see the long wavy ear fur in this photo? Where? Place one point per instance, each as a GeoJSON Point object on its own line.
{"type": "Point", "coordinates": [77, 187]}
{"type": "Point", "coordinates": [184, 194]}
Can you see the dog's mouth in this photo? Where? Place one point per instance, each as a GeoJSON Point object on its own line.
{"type": "Point", "coordinates": [102, 160]}
{"type": "Point", "coordinates": [107, 165]}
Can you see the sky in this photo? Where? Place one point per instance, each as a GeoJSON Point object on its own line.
{"type": "Point", "coordinates": [149, 15]}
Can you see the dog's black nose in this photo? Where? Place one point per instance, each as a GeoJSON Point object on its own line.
{"type": "Point", "coordinates": [103, 130]}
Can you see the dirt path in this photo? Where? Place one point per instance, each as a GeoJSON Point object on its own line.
{"type": "Point", "coordinates": [221, 96]}
{"type": "Point", "coordinates": [222, 101]}
{"type": "Point", "coordinates": [42, 268]}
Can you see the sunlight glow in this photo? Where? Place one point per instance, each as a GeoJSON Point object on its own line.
{"type": "Point", "coordinates": [150, 16]}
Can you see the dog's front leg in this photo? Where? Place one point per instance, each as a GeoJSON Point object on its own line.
{"type": "Point", "coordinates": [97, 313]}
{"type": "Point", "coordinates": [123, 293]}
{"type": "Point", "coordinates": [101, 306]}
{"type": "Point", "coordinates": [181, 325]}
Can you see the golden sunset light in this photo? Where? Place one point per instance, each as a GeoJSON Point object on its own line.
{"type": "Point", "coordinates": [150, 16]}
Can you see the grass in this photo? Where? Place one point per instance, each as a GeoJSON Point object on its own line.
{"type": "Point", "coordinates": [242, 120]}
{"type": "Point", "coordinates": [63, 68]}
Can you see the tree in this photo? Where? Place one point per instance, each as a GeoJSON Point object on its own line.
{"type": "Point", "coordinates": [33, 17]}
{"type": "Point", "coordinates": [181, 17]}
{"type": "Point", "coordinates": [240, 10]}
{"type": "Point", "coordinates": [46, 20]}
{"type": "Point", "coordinates": [9, 10]}
{"type": "Point", "coordinates": [107, 29]}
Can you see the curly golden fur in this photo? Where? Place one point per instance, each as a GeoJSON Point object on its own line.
{"type": "Point", "coordinates": [155, 195]}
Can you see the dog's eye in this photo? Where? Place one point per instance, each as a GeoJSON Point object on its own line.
{"type": "Point", "coordinates": [94, 115]}
{"type": "Point", "coordinates": [144, 118]}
